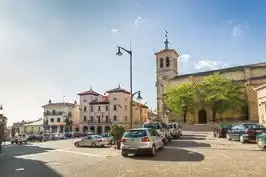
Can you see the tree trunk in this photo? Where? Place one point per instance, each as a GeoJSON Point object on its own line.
{"type": "Point", "coordinates": [118, 144]}
{"type": "Point", "coordinates": [185, 116]}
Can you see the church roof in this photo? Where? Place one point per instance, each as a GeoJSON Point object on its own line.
{"type": "Point", "coordinates": [167, 50]}
{"type": "Point", "coordinates": [118, 90]}
{"type": "Point", "coordinates": [223, 70]}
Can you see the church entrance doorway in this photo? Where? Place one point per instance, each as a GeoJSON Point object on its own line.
{"type": "Point", "coordinates": [202, 116]}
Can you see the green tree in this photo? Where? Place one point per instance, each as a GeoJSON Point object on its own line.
{"type": "Point", "coordinates": [220, 94]}
{"type": "Point", "coordinates": [68, 126]}
{"type": "Point", "coordinates": [181, 99]}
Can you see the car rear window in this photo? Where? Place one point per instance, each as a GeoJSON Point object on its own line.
{"type": "Point", "coordinates": [253, 126]}
{"type": "Point", "coordinates": [152, 125]}
{"type": "Point", "coordinates": [135, 133]}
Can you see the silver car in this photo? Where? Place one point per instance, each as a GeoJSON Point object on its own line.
{"type": "Point", "coordinates": [141, 141]}
{"type": "Point", "coordinates": [161, 129]}
{"type": "Point", "coordinates": [91, 140]}
{"type": "Point", "coordinates": [178, 128]}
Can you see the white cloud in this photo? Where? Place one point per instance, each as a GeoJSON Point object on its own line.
{"type": "Point", "coordinates": [114, 30]}
{"type": "Point", "coordinates": [137, 21]}
{"type": "Point", "coordinates": [209, 64]}
{"type": "Point", "coordinates": [239, 29]}
{"type": "Point", "coordinates": [184, 58]}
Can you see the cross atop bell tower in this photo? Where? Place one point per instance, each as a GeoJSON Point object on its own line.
{"type": "Point", "coordinates": [166, 41]}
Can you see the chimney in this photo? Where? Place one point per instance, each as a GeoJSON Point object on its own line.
{"type": "Point", "coordinates": [50, 101]}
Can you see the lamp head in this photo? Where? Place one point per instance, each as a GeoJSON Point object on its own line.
{"type": "Point", "coordinates": [119, 53]}
{"type": "Point", "coordinates": [139, 97]}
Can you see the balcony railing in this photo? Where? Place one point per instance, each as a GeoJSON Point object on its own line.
{"type": "Point", "coordinates": [99, 122]}
{"type": "Point", "coordinates": [53, 113]}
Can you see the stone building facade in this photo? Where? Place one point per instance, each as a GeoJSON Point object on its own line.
{"type": "Point", "coordinates": [261, 96]}
{"type": "Point", "coordinates": [249, 76]}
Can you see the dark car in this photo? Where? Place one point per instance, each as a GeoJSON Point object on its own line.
{"type": "Point", "coordinates": [220, 130]}
{"type": "Point", "coordinates": [245, 132]}
{"type": "Point", "coordinates": [35, 137]}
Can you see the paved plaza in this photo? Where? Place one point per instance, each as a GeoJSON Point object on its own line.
{"type": "Point", "coordinates": [194, 154]}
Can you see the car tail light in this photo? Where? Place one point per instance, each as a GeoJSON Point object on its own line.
{"type": "Point", "coordinates": [123, 140]}
{"type": "Point", "coordinates": [145, 139]}
{"type": "Point", "coordinates": [249, 131]}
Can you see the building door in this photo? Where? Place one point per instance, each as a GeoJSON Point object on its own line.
{"type": "Point", "coordinates": [202, 115]}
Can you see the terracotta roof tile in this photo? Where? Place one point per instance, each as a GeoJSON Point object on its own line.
{"type": "Point", "coordinates": [90, 92]}
{"type": "Point", "coordinates": [117, 90]}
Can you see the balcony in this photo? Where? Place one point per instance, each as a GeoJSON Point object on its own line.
{"type": "Point", "coordinates": [53, 113]}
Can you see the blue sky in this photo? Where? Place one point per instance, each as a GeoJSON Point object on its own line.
{"type": "Point", "coordinates": [51, 48]}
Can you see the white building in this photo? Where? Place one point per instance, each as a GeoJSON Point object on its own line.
{"type": "Point", "coordinates": [98, 112]}
{"type": "Point", "coordinates": [59, 117]}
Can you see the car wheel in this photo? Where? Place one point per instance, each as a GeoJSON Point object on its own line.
{"type": "Point", "coordinates": [261, 145]}
{"type": "Point", "coordinates": [153, 150]}
{"type": "Point", "coordinates": [214, 134]}
{"type": "Point", "coordinates": [76, 144]}
{"type": "Point", "coordinates": [123, 154]}
{"type": "Point", "coordinates": [218, 135]}
{"type": "Point", "coordinates": [242, 140]}
{"type": "Point", "coordinates": [164, 141]}
{"type": "Point", "coordinates": [228, 137]}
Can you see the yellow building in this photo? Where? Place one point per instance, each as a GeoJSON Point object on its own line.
{"type": "Point", "coordinates": [261, 96]}
{"type": "Point", "coordinates": [33, 127]}
{"type": "Point", "coordinates": [167, 74]}
{"type": "Point", "coordinates": [140, 114]}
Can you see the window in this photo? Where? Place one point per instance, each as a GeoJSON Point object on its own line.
{"type": "Point", "coordinates": [161, 62]}
{"type": "Point", "coordinates": [125, 107]}
{"type": "Point", "coordinates": [58, 120]}
{"type": "Point", "coordinates": [84, 118]}
{"type": "Point", "coordinates": [52, 120]}
{"type": "Point", "coordinates": [91, 118]}
{"type": "Point", "coordinates": [115, 117]}
{"type": "Point", "coordinates": [91, 108]}
{"type": "Point", "coordinates": [99, 119]}
{"type": "Point", "coordinates": [85, 108]}
{"type": "Point", "coordinates": [167, 62]}
{"type": "Point", "coordinates": [114, 98]}
{"type": "Point", "coordinates": [85, 100]}
{"type": "Point", "coordinates": [152, 132]}
{"type": "Point", "coordinates": [125, 118]}
{"type": "Point", "coordinates": [115, 107]}
{"type": "Point", "coordinates": [106, 119]}
{"type": "Point", "coordinates": [99, 108]}
{"type": "Point", "coordinates": [106, 108]}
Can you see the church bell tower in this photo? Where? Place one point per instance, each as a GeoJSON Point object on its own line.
{"type": "Point", "coordinates": [166, 68]}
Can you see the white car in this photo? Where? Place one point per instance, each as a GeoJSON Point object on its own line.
{"type": "Point", "coordinates": [91, 140]}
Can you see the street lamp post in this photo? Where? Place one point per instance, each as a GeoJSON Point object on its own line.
{"type": "Point", "coordinates": [119, 53]}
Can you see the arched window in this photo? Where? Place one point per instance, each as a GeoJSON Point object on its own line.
{"type": "Point", "coordinates": [167, 62]}
{"type": "Point", "coordinates": [161, 62]}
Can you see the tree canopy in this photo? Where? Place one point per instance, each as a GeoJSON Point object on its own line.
{"type": "Point", "coordinates": [215, 91]}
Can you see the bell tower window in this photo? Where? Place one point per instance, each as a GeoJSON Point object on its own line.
{"type": "Point", "coordinates": [161, 62]}
{"type": "Point", "coordinates": [167, 62]}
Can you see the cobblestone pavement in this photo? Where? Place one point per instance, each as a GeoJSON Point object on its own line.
{"type": "Point", "coordinates": [194, 154]}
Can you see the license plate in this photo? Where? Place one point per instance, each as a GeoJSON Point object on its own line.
{"type": "Point", "coordinates": [258, 131]}
{"type": "Point", "coordinates": [133, 148]}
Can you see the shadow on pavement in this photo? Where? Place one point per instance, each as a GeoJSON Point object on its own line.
{"type": "Point", "coordinates": [18, 167]}
{"type": "Point", "coordinates": [174, 155]}
{"type": "Point", "coordinates": [12, 151]}
{"type": "Point", "coordinates": [188, 144]}
{"type": "Point", "coordinates": [192, 137]}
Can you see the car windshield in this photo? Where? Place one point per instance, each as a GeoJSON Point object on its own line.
{"type": "Point", "coordinates": [106, 135]}
{"type": "Point", "coordinates": [97, 136]}
{"type": "Point", "coordinates": [135, 133]}
{"type": "Point", "coordinates": [253, 126]}
{"type": "Point", "coordinates": [152, 125]}
{"type": "Point", "coordinates": [164, 125]}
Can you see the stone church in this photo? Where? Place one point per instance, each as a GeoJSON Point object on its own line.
{"type": "Point", "coordinates": [167, 74]}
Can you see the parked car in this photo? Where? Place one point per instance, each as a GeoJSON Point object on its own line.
{"type": "Point", "coordinates": [109, 138]}
{"type": "Point", "coordinates": [141, 141]}
{"type": "Point", "coordinates": [245, 132]}
{"type": "Point", "coordinates": [220, 130]}
{"type": "Point", "coordinates": [61, 136]}
{"type": "Point", "coordinates": [178, 127]}
{"type": "Point", "coordinates": [35, 137]}
{"type": "Point", "coordinates": [53, 136]}
{"type": "Point", "coordinates": [161, 129]}
{"type": "Point", "coordinates": [77, 134]}
{"type": "Point", "coordinates": [91, 140]}
{"type": "Point", "coordinates": [19, 139]}
{"type": "Point", "coordinates": [261, 141]}
{"type": "Point", "coordinates": [172, 130]}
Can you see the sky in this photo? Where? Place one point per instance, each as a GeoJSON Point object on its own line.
{"type": "Point", "coordinates": [49, 48]}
